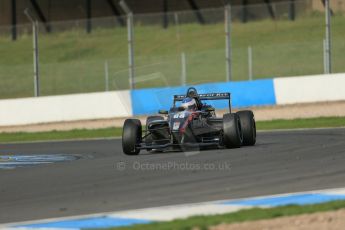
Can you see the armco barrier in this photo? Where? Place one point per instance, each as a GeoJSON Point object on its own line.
{"type": "Point", "coordinates": [65, 108]}
{"type": "Point", "coordinates": [249, 93]}
{"type": "Point", "coordinates": [148, 101]}
{"type": "Point", "coordinates": [319, 88]}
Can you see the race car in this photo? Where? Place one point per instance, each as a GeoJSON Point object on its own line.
{"type": "Point", "coordinates": [189, 124]}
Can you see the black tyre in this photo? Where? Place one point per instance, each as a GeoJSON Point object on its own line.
{"type": "Point", "coordinates": [248, 127]}
{"type": "Point", "coordinates": [148, 139]}
{"type": "Point", "coordinates": [131, 136]}
{"type": "Point", "coordinates": [232, 133]}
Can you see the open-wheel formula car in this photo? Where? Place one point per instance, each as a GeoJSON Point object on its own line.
{"type": "Point", "coordinates": [190, 123]}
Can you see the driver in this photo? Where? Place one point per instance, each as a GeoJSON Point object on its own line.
{"type": "Point", "coordinates": [189, 104]}
{"type": "Point", "coordinates": [192, 93]}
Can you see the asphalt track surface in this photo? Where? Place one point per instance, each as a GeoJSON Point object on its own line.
{"type": "Point", "coordinates": [281, 162]}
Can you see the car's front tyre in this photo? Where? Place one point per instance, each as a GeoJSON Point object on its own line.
{"type": "Point", "coordinates": [248, 127]}
{"type": "Point", "coordinates": [131, 136]}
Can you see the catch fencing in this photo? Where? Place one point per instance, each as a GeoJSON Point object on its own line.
{"type": "Point", "coordinates": [173, 49]}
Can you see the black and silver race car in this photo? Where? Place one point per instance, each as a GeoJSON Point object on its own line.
{"type": "Point", "coordinates": [187, 129]}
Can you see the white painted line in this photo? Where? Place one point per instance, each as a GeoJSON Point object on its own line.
{"type": "Point", "coordinates": [166, 213]}
{"type": "Point", "coordinates": [179, 212]}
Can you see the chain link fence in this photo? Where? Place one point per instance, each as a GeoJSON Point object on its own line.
{"type": "Point", "coordinates": [172, 49]}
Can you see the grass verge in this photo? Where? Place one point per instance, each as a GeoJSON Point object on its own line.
{"type": "Point", "coordinates": [320, 122]}
{"type": "Point", "coordinates": [60, 135]}
{"type": "Point", "coordinates": [116, 132]}
{"type": "Point", "coordinates": [204, 222]}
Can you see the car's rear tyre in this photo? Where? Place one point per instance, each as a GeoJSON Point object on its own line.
{"type": "Point", "coordinates": [248, 127]}
{"type": "Point", "coordinates": [232, 133]}
{"type": "Point", "coordinates": [131, 136]}
{"type": "Point", "coordinates": [148, 139]}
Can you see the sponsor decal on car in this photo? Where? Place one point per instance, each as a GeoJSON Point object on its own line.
{"type": "Point", "coordinates": [176, 125]}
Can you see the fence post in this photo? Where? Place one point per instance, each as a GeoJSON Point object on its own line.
{"type": "Point", "coordinates": [88, 16]}
{"type": "Point", "coordinates": [292, 10]}
{"type": "Point", "coordinates": [106, 75]}
{"type": "Point", "coordinates": [35, 52]}
{"type": "Point", "coordinates": [328, 37]}
{"type": "Point", "coordinates": [250, 63]}
{"type": "Point", "coordinates": [177, 24]}
{"type": "Point", "coordinates": [325, 71]}
{"type": "Point", "coordinates": [14, 19]}
{"type": "Point", "coordinates": [227, 15]}
{"type": "Point", "coordinates": [130, 36]}
{"type": "Point", "coordinates": [36, 60]}
{"type": "Point", "coordinates": [183, 69]}
{"type": "Point", "coordinates": [130, 51]}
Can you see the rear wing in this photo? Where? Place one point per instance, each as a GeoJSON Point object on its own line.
{"type": "Point", "coordinates": [207, 96]}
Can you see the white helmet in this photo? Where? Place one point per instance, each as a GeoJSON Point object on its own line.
{"type": "Point", "coordinates": [189, 103]}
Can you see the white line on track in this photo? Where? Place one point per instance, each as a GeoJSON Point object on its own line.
{"type": "Point", "coordinates": [187, 209]}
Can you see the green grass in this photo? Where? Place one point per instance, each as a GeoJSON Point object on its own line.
{"type": "Point", "coordinates": [116, 132]}
{"type": "Point", "coordinates": [60, 135]}
{"type": "Point", "coordinates": [73, 62]}
{"type": "Point", "coordinates": [302, 123]}
{"type": "Point", "coordinates": [204, 222]}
